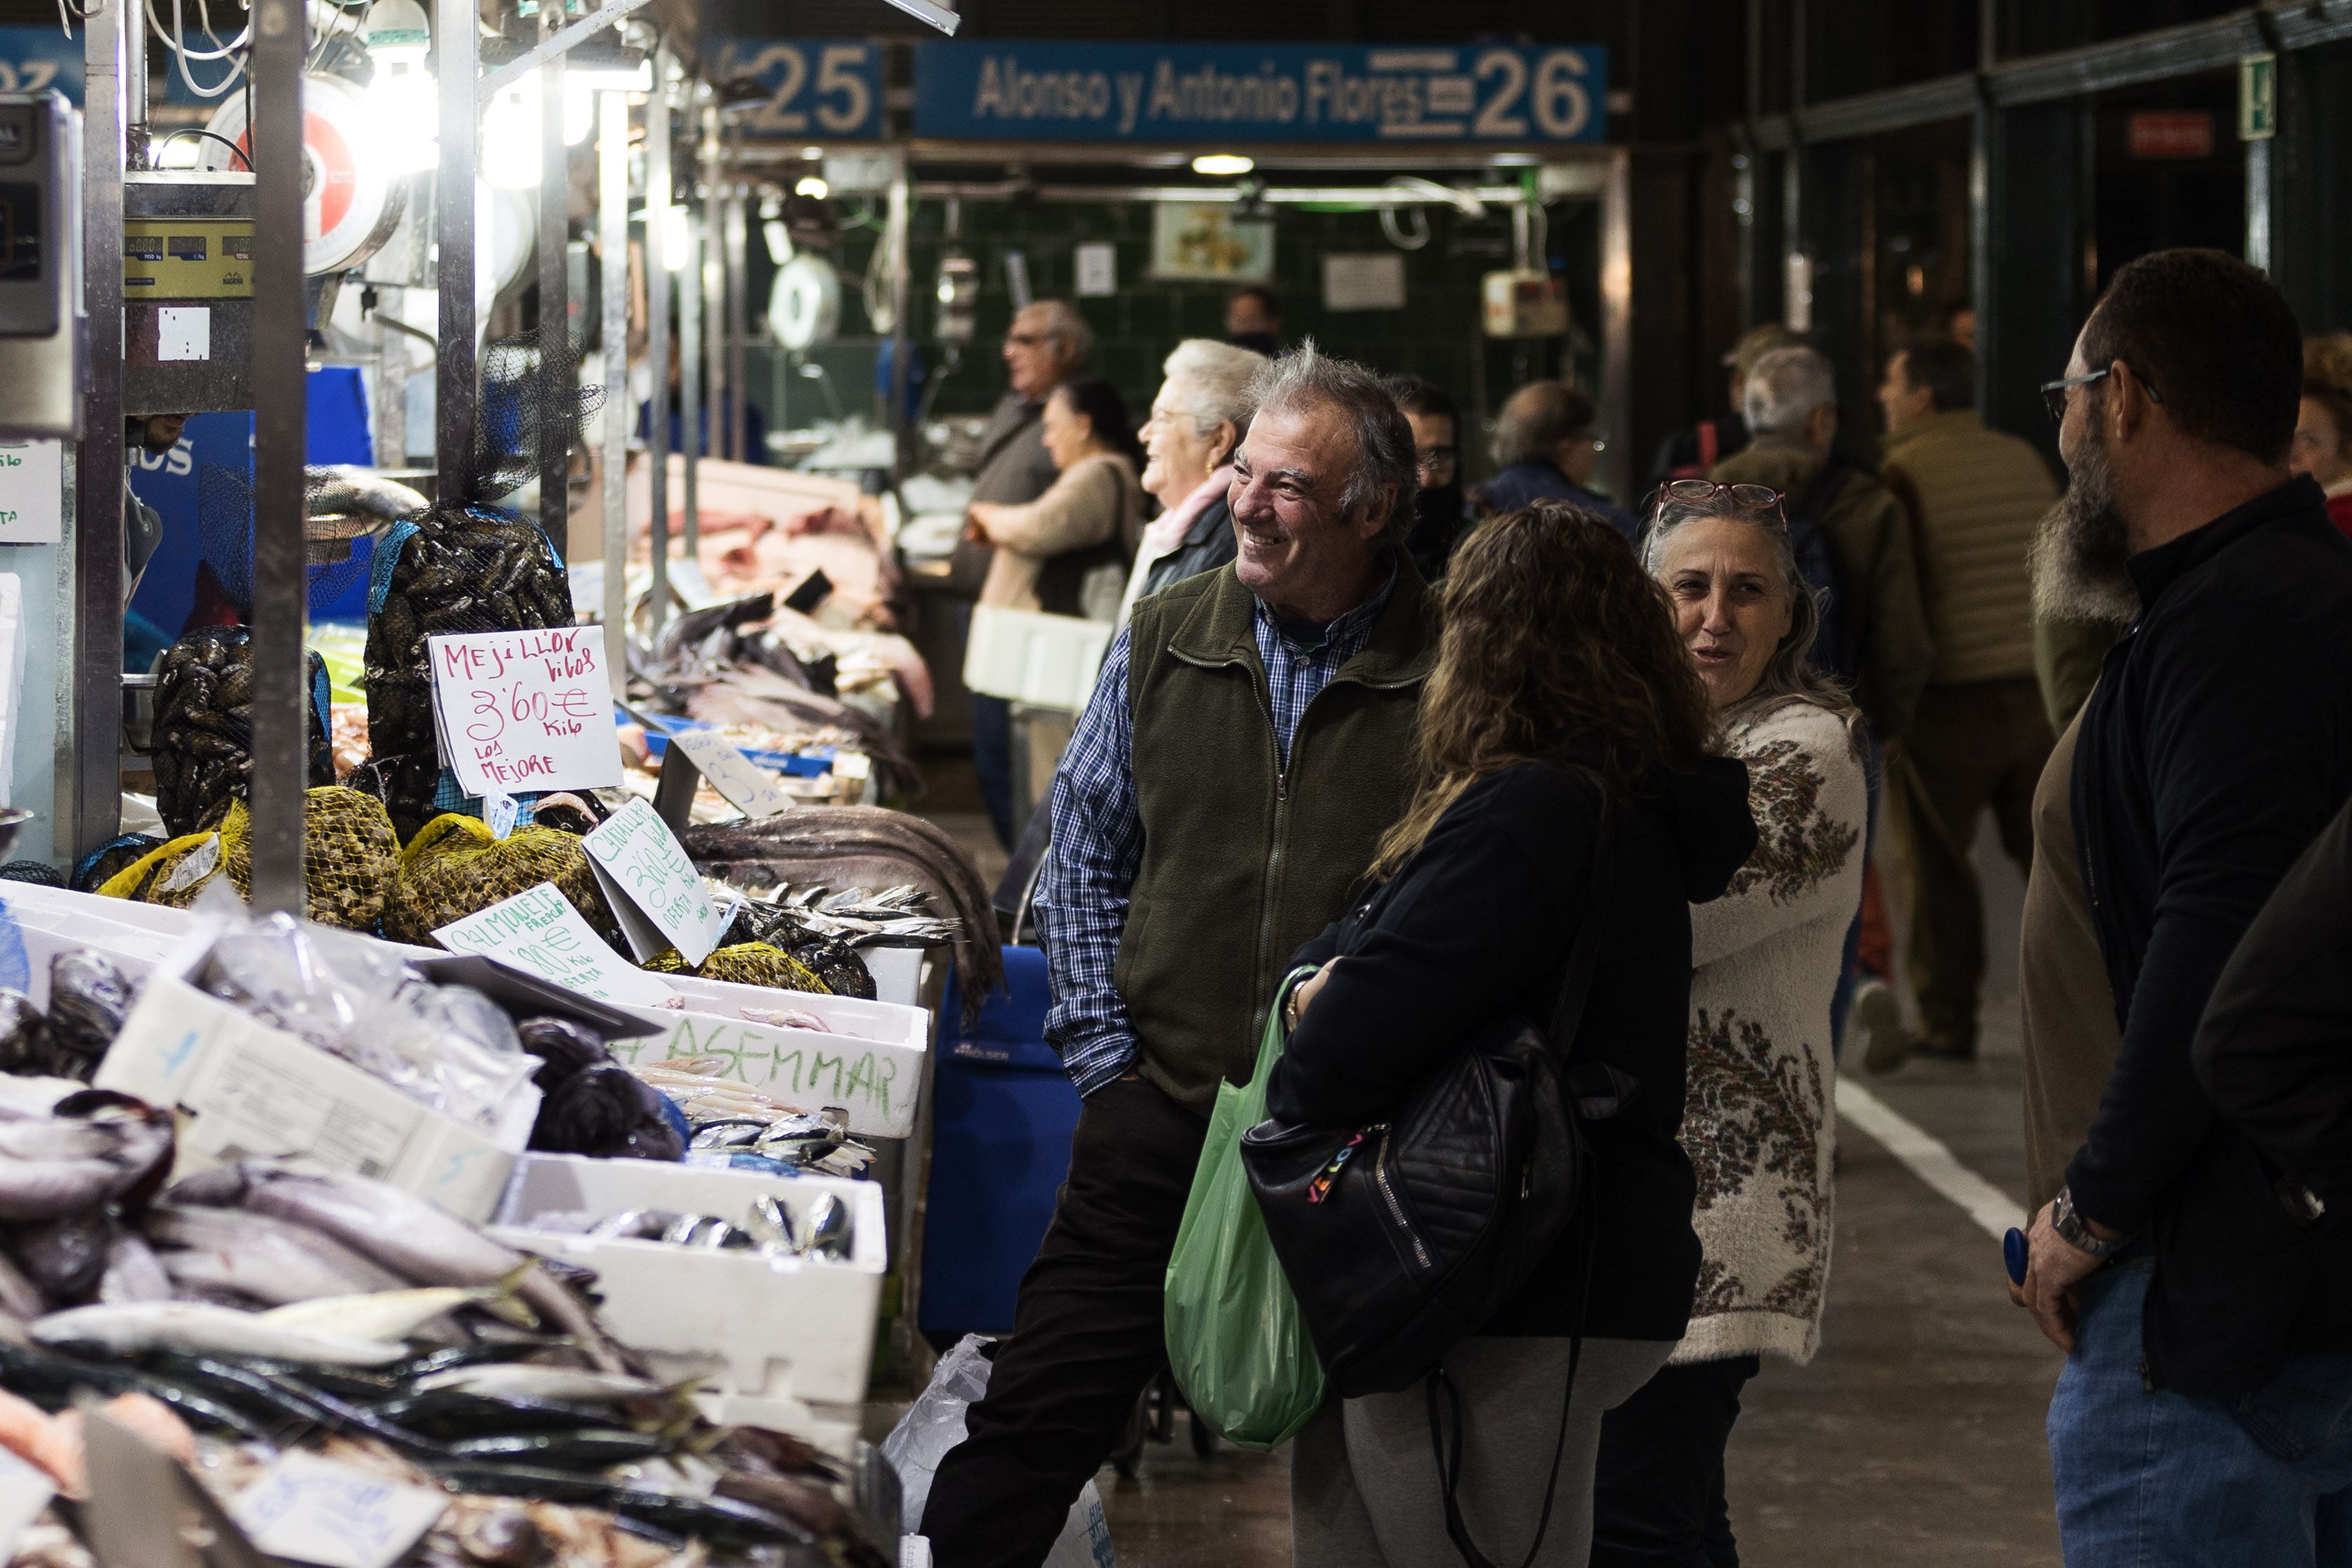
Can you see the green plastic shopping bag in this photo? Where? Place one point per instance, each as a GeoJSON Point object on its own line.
{"type": "Point", "coordinates": [1236, 1341]}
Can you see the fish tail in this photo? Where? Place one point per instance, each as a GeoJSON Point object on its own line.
{"type": "Point", "coordinates": [503, 1301]}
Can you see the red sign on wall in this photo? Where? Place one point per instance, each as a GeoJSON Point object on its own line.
{"type": "Point", "coordinates": [2187, 134]}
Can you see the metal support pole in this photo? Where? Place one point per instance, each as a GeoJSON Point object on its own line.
{"type": "Point", "coordinates": [89, 805]}
{"type": "Point", "coordinates": [134, 95]}
{"type": "Point", "coordinates": [657, 200]}
{"type": "Point", "coordinates": [1617, 320]}
{"type": "Point", "coordinates": [902, 337]}
{"type": "Point", "coordinates": [455, 393]}
{"type": "Point", "coordinates": [739, 331]}
{"type": "Point", "coordinates": [279, 344]}
{"type": "Point", "coordinates": [689, 378]}
{"type": "Point", "coordinates": [613, 332]}
{"type": "Point", "coordinates": [2258, 202]}
{"type": "Point", "coordinates": [559, 395]}
{"type": "Point", "coordinates": [710, 284]}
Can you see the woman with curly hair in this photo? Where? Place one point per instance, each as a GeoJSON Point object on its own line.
{"type": "Point", "coordinates": [2323, 430]}
{"type": "Point", "coordinates": [1759, 1113]}
{"type": "Point", "coordinates": [1561, 689]}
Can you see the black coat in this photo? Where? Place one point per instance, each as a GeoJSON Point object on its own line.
{"type": "Point", "coordinates": [1479, 926]}
{"type": "Point", "coordinates": [2218, 744]}
{"type": "Point", "coordinates": [2274, 1051]}
{"type": "Point", "coordinates": [1208, 544]}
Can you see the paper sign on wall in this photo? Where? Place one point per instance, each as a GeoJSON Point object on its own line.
{"type": "Point", "coordinates": [741, 782]}
{"type": "Point", "coordinates": [539, 933]}
{"type": "Point", "coordinates": [525, 711]}
{"type": "Point", "coordinates": [32, 493]}
{"type": "Point", "coordinates": [653, 887]}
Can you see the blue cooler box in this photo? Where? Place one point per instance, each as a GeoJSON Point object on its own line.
{"type": "Point", "coordinates": [1003, 1114]}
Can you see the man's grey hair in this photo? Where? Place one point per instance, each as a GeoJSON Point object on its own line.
{"type": "Point", "coordinates": [1215, 379]}
{"type": "Point", "coordinates": [1063, 324]}
{"type": "Point", "coordinates": [1307, 378]}
{"type": "Point", "coordinates": [1784, 388]}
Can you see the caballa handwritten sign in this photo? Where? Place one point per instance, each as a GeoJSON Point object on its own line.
{"type": "Point", "coordinates": [525, 711]}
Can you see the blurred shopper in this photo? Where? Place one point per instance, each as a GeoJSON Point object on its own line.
{"type": "Point", "coordinates": [1758, 1115]}
{"type": "Point", "coordinates": [1231, 777]}
{"type": "Point", "coordinates": [1048, 343]}
{"type": "Point", "coordinates": [1690, 454]}
{"type": "Point", "coordinates": [1442, 509]}
{"type": "Point", "coordinates": [1198, 419]}
{"type": "Point", "coordinates": [1791, 402]}
{"type": "Point", "coordinates": [1067, 552]}
{"type": "Point", "coordinates": [1547, 440]}
{"type": "Point", "coordinates": [1559, 691]}
{"type": "Point", "coordinates": [1960, 323]}
{"type": "Point", "coordinates": [1979, 735]}
{"type": "Point", "coordinates": [2274, 1052]}
{"type": "Point", "coordinates": [1254, 319]}
{"type": "Point", "coordinates": [2323, 429]}
{"type": "Point", "coordinates": [2204, 1414]}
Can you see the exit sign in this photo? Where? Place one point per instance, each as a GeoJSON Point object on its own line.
{"type": "Point", "coordinates": [2257, 97]}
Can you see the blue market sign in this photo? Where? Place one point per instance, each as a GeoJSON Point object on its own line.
{"type": "Point", "coordinates": [1440, 94]}
{"type": "Point", "coordinates": [821, 89]}
{"type": "Point", "coordinates": [40, 59]}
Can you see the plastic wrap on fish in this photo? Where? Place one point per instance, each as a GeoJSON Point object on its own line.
{"type": "Point", "coordinates": [88, 999]}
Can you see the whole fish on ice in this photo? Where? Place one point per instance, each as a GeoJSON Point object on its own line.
{"type": "Point", "coordinates": [203, 1329]}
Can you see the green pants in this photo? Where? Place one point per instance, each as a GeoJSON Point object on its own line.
{"type": "Point", "coordinates": [1969, 748]}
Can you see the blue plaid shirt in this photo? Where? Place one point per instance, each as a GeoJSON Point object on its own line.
{"type": "Point", "coordinates": [1098, 835]}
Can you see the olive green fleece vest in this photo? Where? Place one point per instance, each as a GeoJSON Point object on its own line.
{"type": "Point", "coordinates": [1242, 860]}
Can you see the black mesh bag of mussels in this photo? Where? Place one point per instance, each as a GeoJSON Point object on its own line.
{"type": "Point", "coordinates": [464, 565]}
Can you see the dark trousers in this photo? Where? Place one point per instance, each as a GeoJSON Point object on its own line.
{"type": "Point", "coordinates": [1657, 1490]}
{"type": "Point", "coordinates": [1969, 749]}
{"type": "Point", "coordinates": [1087, 1336]}
{"type": "Point", "coordinates": [992, 761]}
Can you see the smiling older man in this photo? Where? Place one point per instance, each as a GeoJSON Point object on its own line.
{"type": "Point", "coordinates": [1250, 738]}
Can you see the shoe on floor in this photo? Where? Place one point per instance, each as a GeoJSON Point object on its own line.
{"type": "Point", "coordinates": [1874, 1017]}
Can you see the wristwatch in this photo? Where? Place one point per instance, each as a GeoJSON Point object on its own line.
{"type": "Point", "coordinates": [2076, 1231]}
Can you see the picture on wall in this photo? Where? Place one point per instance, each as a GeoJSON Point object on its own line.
{"type": "Point", "coordinates": [1203, 240]}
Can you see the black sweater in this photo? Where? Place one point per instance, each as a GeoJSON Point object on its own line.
{"type": "Point", "coordinates": [2275, 1050]}
{"type": "Point", "coordinates": [2218, 744]}
{"type": "Point", "coordinates": [1479, 925]}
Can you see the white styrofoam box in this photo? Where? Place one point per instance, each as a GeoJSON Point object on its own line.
{"type": "Point", "coordinates": [242, 1087]}
{"type": "Point", "coordinates": [134, 952]}
{"type": "Point", "coordinates": [871, 1066]}
{"type": "Point", "coordinates": [66, 904]}
{"type": "Point", "coordinates": [787, 1328]}
{"type": "Point", "coordinates": [897, 972]}
{"type": "Point", "coordinates": [1046, 661]}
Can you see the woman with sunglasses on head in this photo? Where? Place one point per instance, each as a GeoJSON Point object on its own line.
{"type": "Point", "coordinates": [1558, 691]}
{"type": "Point", "coordinates": [1757, 1115]}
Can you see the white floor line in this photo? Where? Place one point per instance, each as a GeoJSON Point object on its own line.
{"type": "Point", "coordinates": [1927, 1158]}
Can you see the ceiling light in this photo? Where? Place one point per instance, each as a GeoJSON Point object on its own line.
{"type": "Point", "coordinates": [811, 185]}
{"type": "Point", "coordinates": [1223, 164]}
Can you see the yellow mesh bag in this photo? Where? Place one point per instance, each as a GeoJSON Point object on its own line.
{"type": "Point", "coordinates": [453, 868]}
{"type": "Point", "coordinates": [745, 964]}
{"type": "Point", "coordinates": [349, 853]}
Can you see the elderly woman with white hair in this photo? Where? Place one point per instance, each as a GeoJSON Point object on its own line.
{"type": "Point", "coordinates": [1200, 416]}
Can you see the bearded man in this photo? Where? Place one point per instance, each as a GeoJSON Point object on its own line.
{"type": "Point", "coordinates": [2204, 1414]}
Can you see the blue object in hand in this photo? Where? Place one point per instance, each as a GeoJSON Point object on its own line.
{"type": "Point", "coordinates": [2013, 1252]}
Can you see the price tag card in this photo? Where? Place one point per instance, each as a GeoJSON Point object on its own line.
{"type": "Point", "coordinates": [741, 782]}
{"type": "Point", "coordinates": [32, 493]}
{"type": "Point", "coordinates": [315, 1510]}
{"type": "Point", "coordinates": [498, 812]}
{"type": "Point", "coordinates": [525, 711]}
{"type": "Point", "coordinates": [539, 933]}
{"type": "Point", "coordinates": [653, 887]}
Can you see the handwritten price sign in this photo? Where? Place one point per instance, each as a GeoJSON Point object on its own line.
{"type": "Point", "coordinates": [539, 933]}
{"type": "Point", "coordinates": [525, 711]}
{"type": "Point", "coordinates": [743, 782]}
{"type": "Point", "coordinates": [653, 887]}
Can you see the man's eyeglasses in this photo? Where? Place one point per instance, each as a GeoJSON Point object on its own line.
{"type": "Point", "coordinates": [2053, 393]}
{"type": "Point", "coordinates": [1027, 340]}
{"type": "Point", "coordinates": [1760, 499]}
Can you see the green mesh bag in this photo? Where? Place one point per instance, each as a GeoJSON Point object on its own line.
{"type": "Point", "coordinates": [349, 856]}
{"type": "Point", "coordinates": [745, 964]}
{"type": "Point", "coordinates": [453, 868]}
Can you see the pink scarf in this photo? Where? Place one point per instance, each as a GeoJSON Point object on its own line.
{"type": "Point", "coordinates": [1165, 534]}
